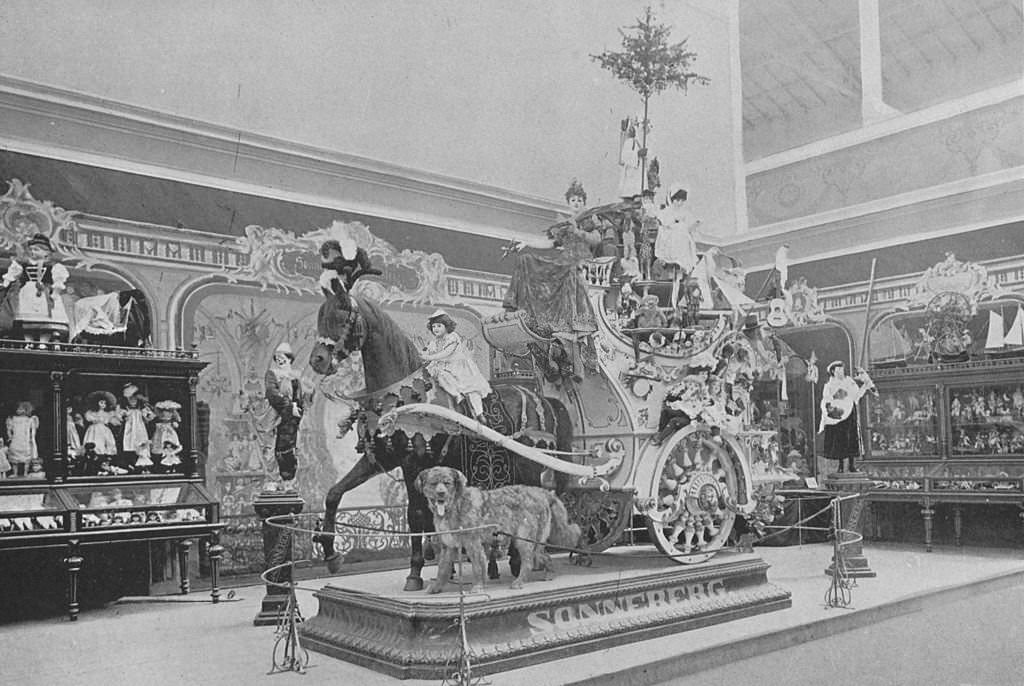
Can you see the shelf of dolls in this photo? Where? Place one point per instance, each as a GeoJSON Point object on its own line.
{"type": "Point", "coordinates": [135, 406]}
{"type": "Point", "coordinates": [947, 434]}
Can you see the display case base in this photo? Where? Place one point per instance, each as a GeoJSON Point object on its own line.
{"type": "Point", "coordinates": [585, 609]}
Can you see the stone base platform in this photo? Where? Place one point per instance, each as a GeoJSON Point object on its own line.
{"type": "Point", "coordinates": [615, 601]}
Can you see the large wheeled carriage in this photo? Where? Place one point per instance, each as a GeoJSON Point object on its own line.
{"type": "Point", "coordinates": [599, 437]}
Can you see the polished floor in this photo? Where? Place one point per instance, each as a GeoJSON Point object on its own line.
{"type": "Point", "coordinates": [952, 616]}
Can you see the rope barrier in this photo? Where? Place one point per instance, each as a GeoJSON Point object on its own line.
{"type": "Point", "coordinates": [376, 532]}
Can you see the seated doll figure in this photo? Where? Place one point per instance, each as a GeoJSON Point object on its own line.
{"type": "Point", "coordinates": [450, 364]}
{"type": "Point", "coordinates": [649, 316]}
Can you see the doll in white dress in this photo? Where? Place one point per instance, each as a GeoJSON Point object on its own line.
{"type": "Point", "coordinates": [676, 243]}
{"type": "Point", "coordinates": [450, 365]}
{"type": "Point", "coordinates": [21, 438]}
{"type": "Point", "coordinates": [101, 415]}
{"type": "Point", "coordinates": [137, 416]}
{"type": "Point", "coordinates": [165, 439]}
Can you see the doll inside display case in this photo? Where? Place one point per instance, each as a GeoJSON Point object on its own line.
{"type": "Point", "coordinates": [128, 435]}
{"type": "Point", "coordinates": [905, 422]}
{"type": "Point", "coordinates": [986, 420]}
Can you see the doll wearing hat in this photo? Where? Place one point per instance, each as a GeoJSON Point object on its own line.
{"type": "Point", "coordinates": [39, 312]}
{"type": "Point", "coordinates": [284, 393]}
{"type": "Point", "coordinates": [450, 364]}
{"type": "Point", "coordinates": [137, 416]}
{"type": "Point", "coordinates": [839, 399]}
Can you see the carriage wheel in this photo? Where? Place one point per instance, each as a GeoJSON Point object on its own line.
{"type": "Point", "coordinates": [602, 516]}
{"type": "Point", "coordinates": [688, 517]}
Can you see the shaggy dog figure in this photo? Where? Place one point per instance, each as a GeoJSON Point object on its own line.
{"type": "Point", "coordinates": [532, 515]}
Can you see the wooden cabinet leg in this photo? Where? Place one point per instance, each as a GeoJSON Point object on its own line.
{"type": "Point", "coordinates": [73, 562]}
{"type": "Point", "coordinates": [958, 524]}
{"type": "Point", "coordinates": [216, 552]}
{"type": "Point", "coordinates": [927, 512]}
{"type": "Point", "coordinates": [184, 546]}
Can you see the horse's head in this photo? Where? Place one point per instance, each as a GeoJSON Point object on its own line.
{"type": "Point", "coordinates": [341, 330]}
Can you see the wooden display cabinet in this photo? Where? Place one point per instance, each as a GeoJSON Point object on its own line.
{"type": "Point", "coordinates": [58, 500]}
{"type": "Point", "coordinates": [947, 434]}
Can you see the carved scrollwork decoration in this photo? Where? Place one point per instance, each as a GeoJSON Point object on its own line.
{"type": "Point", "coordinates": [603, 516]}
{"type": "Point", "coordinates": [22, 216]}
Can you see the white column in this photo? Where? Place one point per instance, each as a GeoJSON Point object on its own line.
{"type": "Point", "coordinates": [736, 86]}
{"type": "Point", "coordinates": [872, 104]}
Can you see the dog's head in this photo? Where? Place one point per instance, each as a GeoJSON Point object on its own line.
{"type": "Point", "coordinates": [441, 486]}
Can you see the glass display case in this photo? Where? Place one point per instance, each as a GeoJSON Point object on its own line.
{"type": "Point", "coordinates": [986, 419]}
{"type": "Point", "coordinates": [904, 422]}
{"type": "Point", "coordinates": [28, 510]}
{"type": "Point", "coordinates": [117, 504]}
{"type": "Point", "coordinates": [949, 433]}
{"type": "Point", "coordinates": [101, 446]}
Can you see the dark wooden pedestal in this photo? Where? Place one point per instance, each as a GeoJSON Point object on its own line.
{"type": "Point", "coordinates": [854, 563]}
{"type": "Point", "coordinates": [277, 550]}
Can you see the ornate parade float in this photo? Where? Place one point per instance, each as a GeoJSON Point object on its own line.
{"type": "Point", "coordinates": [626, 383]}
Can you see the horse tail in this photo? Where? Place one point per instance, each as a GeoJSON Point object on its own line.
{"type": "Point", "coordinates": [563, 532]}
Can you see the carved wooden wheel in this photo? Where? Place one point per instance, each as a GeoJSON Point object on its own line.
{"type": "Point", "coordinates": [688, 516]}
{"type": "Point", "coordinates": [603, 516]}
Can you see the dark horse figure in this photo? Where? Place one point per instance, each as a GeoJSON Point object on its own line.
{"type": "Point", "coordinates": [389, 356]}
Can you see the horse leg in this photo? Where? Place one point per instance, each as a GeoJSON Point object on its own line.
{"type": "Point", "coordinates": [420, 521]}
{"type": "Point", "coordinates": [360, 473]}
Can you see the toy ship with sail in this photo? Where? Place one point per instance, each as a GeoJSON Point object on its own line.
{"type": "Point", "coordinates": [1001, 342]}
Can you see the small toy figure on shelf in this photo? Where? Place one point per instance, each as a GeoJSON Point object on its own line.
{"type": "Point", "coordinates": [39, 313]}
{"type": "Point", "coordinates": [74, 436]}
{"type": "Point", "coordinates": [170, 460]}
{"type": "Point", "coordinates": [102, 413]}
{"type": "Point", "coordinates": [450, 364]}
{"type": "Point", "coordinates": [21, 438]}
{"type": "Point", "coordinates": [284, 393]}
{"type": "Point", "coordinates": [143, 457]}
{"type": "Point", "coordinates": [165, 433]}
{"type": "Point", "coordinates": [137, 416]}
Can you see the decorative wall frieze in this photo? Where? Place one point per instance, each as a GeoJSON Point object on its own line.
{"type": "Point", "coordinates": [981, 282]}
{"type": "Point", "coordinates": [268, 257]}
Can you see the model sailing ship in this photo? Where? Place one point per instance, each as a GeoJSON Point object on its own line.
{"type": "Point", "coordinates": [1005, 344]}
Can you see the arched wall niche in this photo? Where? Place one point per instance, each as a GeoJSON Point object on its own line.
{"type": "Point", "coordinates": [816, 345]}
{"type": "Point", "coordinates": [235, 329]}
